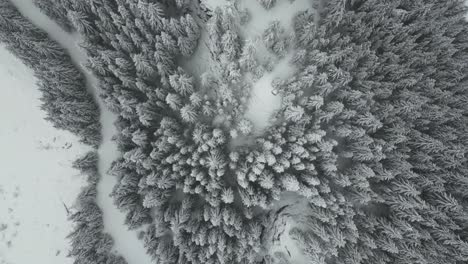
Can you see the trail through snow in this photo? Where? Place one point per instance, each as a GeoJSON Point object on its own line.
{"type": "Point", "coordinates": [126, 241]}
{"type": "Point", "coordinates": [263, 103]}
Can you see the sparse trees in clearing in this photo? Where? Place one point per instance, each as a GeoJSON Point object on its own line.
{"type": "Point", "coordinates": [247, 59]}
{"type": "Point", "coordinates": [275, 38]}
{"type": "Point", "coordinates": [267, 4]}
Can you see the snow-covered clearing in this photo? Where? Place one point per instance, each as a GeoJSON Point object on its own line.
{"type": "Point", "coordinates": [283, 11]}
{"type": "Point", "coordinates": [263, 103]}
{"type": "Point", "coordinates": [37, 181]}
{"type": "Point", "coordinates": [200, 60]}
{"type": "Point", "coordinates": [126, 242]}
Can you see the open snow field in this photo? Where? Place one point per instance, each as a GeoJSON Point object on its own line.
{"type": "Point", "coordinates": [37, 182]}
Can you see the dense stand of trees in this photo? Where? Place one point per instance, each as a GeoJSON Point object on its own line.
{"type": "Point", "coordinates": [372, 133]}
{"type": "Point", "coordinates": [64, 98]}
{"type": "Point", "coordinates": [387, 83]}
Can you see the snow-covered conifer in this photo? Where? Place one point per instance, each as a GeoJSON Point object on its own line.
{"type": "Point", "coordinates": [245, 126]}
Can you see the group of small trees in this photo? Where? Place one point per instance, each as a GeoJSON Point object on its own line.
{"type": "Point", "coordinates": [66, 101]}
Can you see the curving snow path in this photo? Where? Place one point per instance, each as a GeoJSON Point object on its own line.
{"type": "Point", "coordinates": [126, 242]}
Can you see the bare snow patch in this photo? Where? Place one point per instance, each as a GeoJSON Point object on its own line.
{"type": "Point", "coordinates": [263, 102]}
{"type": "Point", "coordinates": [213, 4]}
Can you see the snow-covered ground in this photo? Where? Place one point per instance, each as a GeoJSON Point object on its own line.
{"type": "Point", "coordinates": [126, 242]}
{"type": "Point", "coordinates": [37, 180]}
{"type": "Point", "coordinates": [263, 103]}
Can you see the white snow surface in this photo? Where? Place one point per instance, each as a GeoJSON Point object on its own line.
{"type": "Point", "coordinates": [126, 241]}
{"type": "Point", "coordinates": [37, 181]}
{"type": "Point", "coordinates": [213, 4]}
{"type": "Point", "coordinates": [263, 103]}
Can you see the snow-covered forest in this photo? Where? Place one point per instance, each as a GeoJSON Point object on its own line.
{"type": "Point", "coordinates": [233, 131]}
